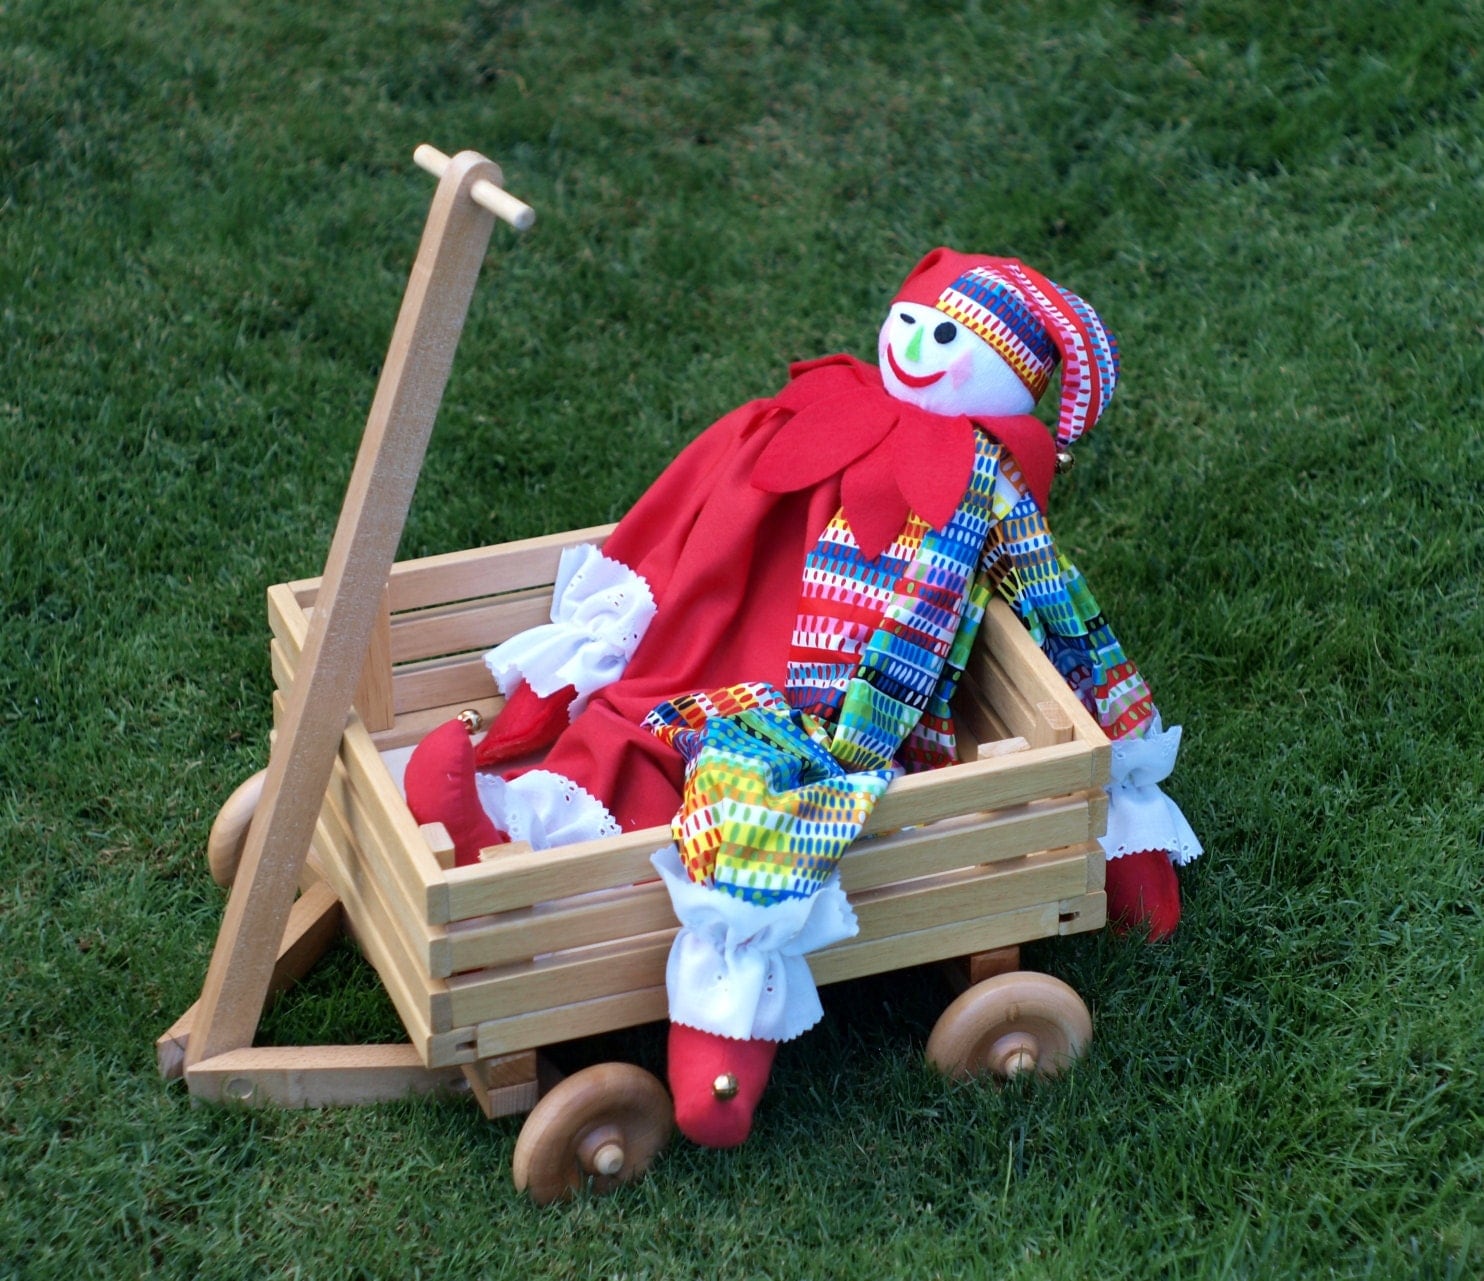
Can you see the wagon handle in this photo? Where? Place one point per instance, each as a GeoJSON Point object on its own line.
{"type": "Point", "coordinates": [413, 378]}
{"type": "Point", "coordinates": [484, 193]}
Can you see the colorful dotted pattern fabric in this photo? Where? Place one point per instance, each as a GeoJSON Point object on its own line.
{"type": "Point", "coordinates": [841, 604]}
{"type": "Point", "coordinates": [896, 702]}
{"type": "Point", "coordinates": [768, 811]}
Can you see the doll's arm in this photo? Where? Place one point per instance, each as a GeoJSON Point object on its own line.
{"type": "Point", "coordinates": [1091, 659]}
{"type": "Point", "coordinates": [1052, 598]}
{"type": "Point", "coordinates": [602, 604]}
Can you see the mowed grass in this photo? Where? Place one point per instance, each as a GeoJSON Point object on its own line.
{"type": "Point", "coordinates": [207, 213]}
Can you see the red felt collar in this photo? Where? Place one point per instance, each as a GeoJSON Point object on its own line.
{"type": "Point", "coordinates": [892, 458]}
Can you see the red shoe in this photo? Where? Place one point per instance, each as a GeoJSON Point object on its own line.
{"type": "Point", "coordinates": [439, 784]}
{"type": "Point", "coordinates": [526, 724]}
{"type": "Point", "coordinates": [717, 1083]}
{"type": "Point", "coordinates": [1142, 889]}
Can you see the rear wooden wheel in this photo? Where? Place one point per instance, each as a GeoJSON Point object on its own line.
{"type": "Point", "coordinates": [228, 834]}
{"type": "Point", "coordinates": [1010, 1025]}
{"type": "Point", "coordinates": [604, 1124]}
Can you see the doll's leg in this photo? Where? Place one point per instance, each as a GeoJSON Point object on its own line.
{"type": "Point", "coordinates": [602, 776]}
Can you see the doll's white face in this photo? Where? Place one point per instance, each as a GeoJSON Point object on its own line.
{"type": "Point", "coordinates": [938, 365]}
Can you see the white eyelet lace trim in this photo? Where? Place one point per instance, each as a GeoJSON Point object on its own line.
{"type": "Point", "coordinates": [600, 610]}
{"type": "Point", "coordinates": [544, 809]}
{"type": "Point", "coordinates": [737, 969]}
{"type": "Point", "coordinates": [1140, 816]}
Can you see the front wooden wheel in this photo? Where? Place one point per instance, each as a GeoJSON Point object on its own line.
{"type": "Point", "coordinates": [228, 834]}
{"type": "Point", "coordinates": [604, 1124]}
{"type": "Point", "coordinates": [1011, 1025]}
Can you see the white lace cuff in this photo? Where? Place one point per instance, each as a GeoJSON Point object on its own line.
{"type": "Point", "coordinates": [1140, 816]}
{"type": "Point", "coordinates": [737, 969]}
{"type": "Point", "coordinates": [600, 610]}
{"type": "Point", "coordinates": [544, 809]}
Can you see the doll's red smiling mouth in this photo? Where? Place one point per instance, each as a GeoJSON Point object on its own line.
{"type": "Point", "coordinates": [911, 380]}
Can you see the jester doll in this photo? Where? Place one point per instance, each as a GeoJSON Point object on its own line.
{"type": "Point", "coordinates": [773, 633]}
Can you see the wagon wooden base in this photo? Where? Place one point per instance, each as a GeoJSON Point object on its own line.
{"type": "Point", "coordinates": [487, 964]}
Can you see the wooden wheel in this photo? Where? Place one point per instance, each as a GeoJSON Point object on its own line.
{"type": "Point", "coordinates": [229, 833]}
{"type": "Point", "coordinates": [605, 1123]}
{"type": "Point", "coordinates": [1009, 1025]}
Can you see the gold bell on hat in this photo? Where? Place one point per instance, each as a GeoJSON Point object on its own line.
{"type": "Point", "coordinates": [1064, 461]}
{"type": "Point", "coordinates": [725, 1086]}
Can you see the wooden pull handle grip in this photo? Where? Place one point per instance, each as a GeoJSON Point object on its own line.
{"type": "Point", "coordinates": [496, 199]}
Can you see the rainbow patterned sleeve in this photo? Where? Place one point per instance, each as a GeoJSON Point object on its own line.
{"type": "Point", "coordinates": [1051, 597]}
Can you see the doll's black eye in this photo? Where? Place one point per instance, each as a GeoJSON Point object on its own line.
{"type": "Point", "coordinates": [908, 320]}
{"type": "Point", "coordinates": [946, 332]}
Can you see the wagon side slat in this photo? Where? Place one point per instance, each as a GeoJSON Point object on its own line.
{"type": "Point", "coordinates": [599, 917]}
{"type": "Point", "coordinates": [479, 571]}
{"type": "Point", "coordinates": [374, 926]}
{"type": "Point", "coordinates": [368, 857]}
{"type": "Point", "coordinates": [854, 959]}
{"type": "Point", "coordinates": [629, 960]}
{"type": "Point", "coordinates": [971, 839]}
{"type": "Point", "coordinates": [411, 859]}
{"type": "Point", "coordinates": [567, 1022]}
{"type": "Point", "coordinates": [516, 880]}
{"type": "Point", "coordinates": [522, 877]}
{"type": "Point", "coordinates": [450, 629]}
{"type": "Point", "coordinates": [559, 978]}
{"type": "Point", "coordinates": [423, 1004]}
{"type": "Point", "coordinates": [1004, 639]}
{"type": "Point", "coordinates": [455, 678]}
{"type": "Point", "coordinates": [458, 679]}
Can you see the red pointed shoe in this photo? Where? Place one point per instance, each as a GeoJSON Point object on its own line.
{"type": "Point", "coordinates": [439, 784]}
{"type": "Point", "coordinates": [717, 1083]}
{"type": "Point", "coordinates": [526, 724]}
{"type": "Point", "coordinates": [1143, 889]}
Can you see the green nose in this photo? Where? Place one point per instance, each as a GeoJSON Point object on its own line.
{"type": "Point", "coordinates": [914, 348]}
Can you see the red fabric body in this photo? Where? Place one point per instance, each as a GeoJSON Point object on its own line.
{"type": "Point", "coordinates": [724, 559]}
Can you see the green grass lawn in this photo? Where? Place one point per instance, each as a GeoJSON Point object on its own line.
{"type": "Point", "coordinates": [207, 212]}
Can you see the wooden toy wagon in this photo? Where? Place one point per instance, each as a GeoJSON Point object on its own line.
{"type": "Point", "coordinates": [487, 964]}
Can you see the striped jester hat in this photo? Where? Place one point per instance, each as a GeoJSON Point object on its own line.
{"type": "Point", "coordinates": [1029, 322]}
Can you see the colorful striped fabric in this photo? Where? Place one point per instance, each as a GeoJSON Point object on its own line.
{"type": "Point", "coordinates": [982, 301]}
{"type": "Point", "coordinates": [896, 702]}
{"type": "Point", "coordinates": [1089, 352]}
{"type": "Point", "coordinates": [841, 603]}
{"type": "Point", "coordinates": [1050, 596]}
{"type": "Point", "coordinates": [879, 646]}
{"type": "Point", "coordinates": [777, 786]}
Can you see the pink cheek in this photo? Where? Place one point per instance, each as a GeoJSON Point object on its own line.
{"type": "Point", "coordinates": [961, 370]}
